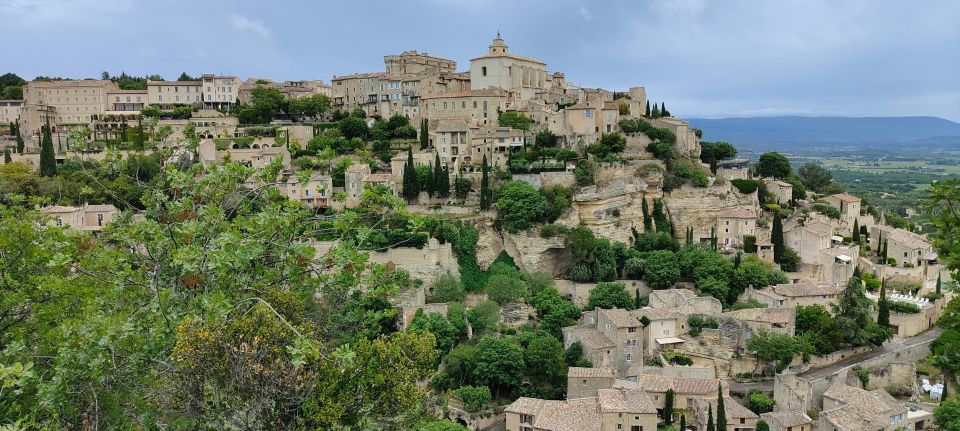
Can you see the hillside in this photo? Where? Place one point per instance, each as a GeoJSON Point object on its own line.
{"type": "Point", "coordinates": [876, 132]}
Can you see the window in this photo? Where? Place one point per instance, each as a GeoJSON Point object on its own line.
{"type": "Point", "coordinates": [99, 219]}
{"type": "Point", "coordinates": [629, 357]}
{"type": "Point", "coordinates": [483, 71]}
{"type": "Point", "coordinates": [636, 428]}
{"type": "Point", "coordinates": [743, 420]}
{"type": "Point", "coordinates": [632, 329]}
{"type": "Point", "coordinates": [587, 113]}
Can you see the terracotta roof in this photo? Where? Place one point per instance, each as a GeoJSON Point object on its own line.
{"type": "Point", "coordinates": [570, 415]}
{"type": "Point", "coordinates": [524, 405]}
{"type": "Point", "coordinates": [737, 212]}
{"type": "Point", "coordinates": [509, 55]}
{"type": "Point", "coordinates": [846, 197]}
{"type": "Point", "coordinates": [905, 237]}
{"type": "Point", "coordinates": [581, 372]}
{"type": "Point", "coordinates": [779, 421]}
{"type": "Point", "coordinates": [71, 83]}
{"type": "Point", "coordinates": [818, 228]}
{"type": "Point", "coordinates": [176, 83]}
{"type": "Point", "coordinates": [591, 338]}
{"type": "Point", "coordinates": [657, 313]}
{"type": "Point", "coordinates": [358, 76]}
{"type": "Point", "coordinates": [625, 401]}
{"type": "Point", "coordinates": [658, 383]}
{"type": "Point", "coordinates": [445, 125]}
{"type": "Point", "coordinates": [777, 182]}
{"type": "Point", "coordinates": [100, 207]}
{"type": "Point", "coordinates": [621, 318]}
{"type": "Point", "coordinates": [378, 178]}
{"type": "Point", "coordinates": [58, 209]}
{"type": "Point", "coordinates": [807, 289]}
{"type": "Point", "coordinates": [733, 409]}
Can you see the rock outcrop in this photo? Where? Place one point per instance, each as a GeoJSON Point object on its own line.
{"type": "Point", "coordinates": [698, 206]}
{"type": "Point", "coordinates": [614, 205]}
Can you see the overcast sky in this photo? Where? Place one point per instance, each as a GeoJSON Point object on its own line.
{"type": "Point", "coordinates": [704, 58]}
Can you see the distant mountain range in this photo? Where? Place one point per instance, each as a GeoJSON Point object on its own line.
{"type": "Point", "coordinates": [764, 133]}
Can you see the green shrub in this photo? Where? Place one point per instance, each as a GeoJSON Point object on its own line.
{"type": "Point", "coordinates": [903, 307]}
{"type": "Point", "coordinates": [678, 358]}
{"type": "Point", "coordinates": [759, 402]}
{"type": "Point", "coordinates": [473, 397]}
{"type": "Point", "coordinates": [697, 323]}
{"type": "Point", "coordinates": [751, 303]}
{"type": "Point", "coordinates": [553, 230]}
{"type": "Point", "coordinates": [745, 186]}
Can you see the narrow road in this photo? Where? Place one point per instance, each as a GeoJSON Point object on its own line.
{"type": "Point", "coordinates": [890, 347]}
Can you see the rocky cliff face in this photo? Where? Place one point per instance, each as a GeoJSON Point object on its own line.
{"type": "Point", "coordinates": [698, 206]}
{"type": "Point", "coordinates": [529, 251]}
{"type": "Point", "coordinates": [614, 205]}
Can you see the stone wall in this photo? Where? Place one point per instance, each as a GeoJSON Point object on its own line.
{"type": "Point", "coordinates": [547, 179]}
{"type": "Point", "coordinates": [427, 263]}
{"type": "Point", "coordinates": [580, 292]}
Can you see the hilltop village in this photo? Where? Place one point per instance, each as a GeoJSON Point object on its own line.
{"type": "Point", "coordinates": [583, 259]}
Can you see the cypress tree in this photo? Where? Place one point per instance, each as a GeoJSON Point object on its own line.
{"type": "Point", "coordinates": [485, 185]}
{"type": "Point", "coordinates": [856, 272]}
{"type": "Point", "coordinates": [647, 112]}
{"type": "Point", "coordinates": [424, 134]}
{"type": "Point", "coordinates": [668, 407]}
{"type": "Point", "coordinates": [437, 177]}
{"type": "Point", "coordinates": [721, 410]}
{"type": "Point", "coordinates": [736, 260]}
{"type": "Point", "coordinates": [663, 110]}
{"type": "Point", "coordinates": [856, 231]}
{"type": "Point", "coordinates": [410, 189]}
{"type": "Point", "coordinates": [683, 422]}
{"type": "Point", "coordinates": [762, 425]}
{"type": "Point", "coordinates": [863, 233]}
{"type": "Point", "coordinates": [656, 111]}
{"type": "Point", "coordinates": [19, 139]}
{"type": "Point", "coordinates": [776, 237]}
{"type": "Point", "coordinates": [939, 283]}
{"type": "Point", "coordinates": [885, 245]}
{"type": "Point", "coordinates": [444, 184]}
{"type": "Point", "coordinates": [710, 426]}
{"type": "Point", "coordinates": [883, 309]}
{"type": "Point", "coordinates": [636, 299]}
{"type": "Point", "coordinates": [48, 160]}
{"type": "Point", "coordinates": [647, 221]}
{"type": "Point", "coordinates": [6, 156]}
{"type": "Point", "coordinates": [713, 237]}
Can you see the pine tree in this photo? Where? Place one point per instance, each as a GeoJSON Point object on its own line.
{"type": "Point", "coordinates": [647, 112]}
{"type": "Point", "coordinates": [939, 283]}
{"type": "Point", "coordinates": [424, 134]}
{"type": "Point", "coordinates": [776, 237]}
{"type": "Point", "coordinates": [647, 221]}
{"type": "Point", "coordinates": [410, 189]}
{"type": "Point", "coordinates": [6, 155]}
{"type": "Point", "coordinates": [856, 231]}
{"type": "Point", "coordinates": [736, 260]}
{"type": "Point", "coordinates": [48, 160]}
{"type": "Point", "coordinates": [683, 422]}
{"type": "Point", "coordinates": [883, 309]}
{"type": "Point", "coordinates": [19, 139]}
{"type": "Point", "coordinates": [485, 185]}
{"type": "Point", "coordinates": [710, 425]}
{"type": "Point", "coordinates": [668, 407]}
{"type": "Point", "coordinates": [721, 410]}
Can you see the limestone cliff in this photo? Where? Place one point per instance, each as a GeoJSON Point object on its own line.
{"type": "Point", "coordinates": [698, 206]}
{"type": "Point", "coordinates": [614, 205]}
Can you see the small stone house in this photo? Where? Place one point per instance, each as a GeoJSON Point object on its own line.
{"type": "Point", "coordinates": [87, 217]}
{"type": "Point", "coordinates": [739, 418]}
{"type": "Point", "coordinates": [611, 339]}
{"type": "Point", "coordinates": [781, 191]}
{"type": "Point", "coordinates": [791, 295]}
{"type": "Point", "coordinates": [608, 409]}
{"type": "Point", "coordinates": [733, 224]}
{"type": "Point", "coordinates": [846, 408]}
{"type": "Point", "coordinates": [787, 421]}
{"type": "Point", "coordinates": [685, 390]}
{"type": "Point", "coordinates": [848, 205]}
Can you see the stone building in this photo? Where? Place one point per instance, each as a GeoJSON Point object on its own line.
{"type": "Point", "coordinates": [846, 408]}
{"type": "Point", "coordinates": [610, 409]}
{"type": "Point", "coordinates": [65, 103]}
{"type": "Point", "coordinates": [787, 421]}
{"type": "Point", "coordinates": [522, 77]}
{"type": "Point", "coordinates": [86, 217]}
{"type": "Point", "coordinates": [739, 418]}
{"type": "Point", "coordinates": [781, 191]}
{"type": "Point", "coordinates": [219, 92]}
{"type": "Point", "coordinates": [10, 110]}
{"type": "Point", "coordinates": [791, 295]}
{"type": "Point", "coordinates": [733, 224]}
{"type": "Point", "coordinates": [687, 141]}
{"type": "Point", "coordinates": [903, 246]}
{"type": "Point", "coordinates": [126, 101]}
{"type": "Point", "coordinates": [168, 94]}
{"type": "Point", "coordinates": [315, 192]}
{"type": "Point", "coordinates": [848, 205]}
{"type": "Point", "coordinates": [685, 390]}
{"type": "Point", "coordinates": [610, 339]}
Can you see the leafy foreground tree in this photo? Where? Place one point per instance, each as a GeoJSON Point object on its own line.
{"type": "Point", "coordinates": [214, 312]}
